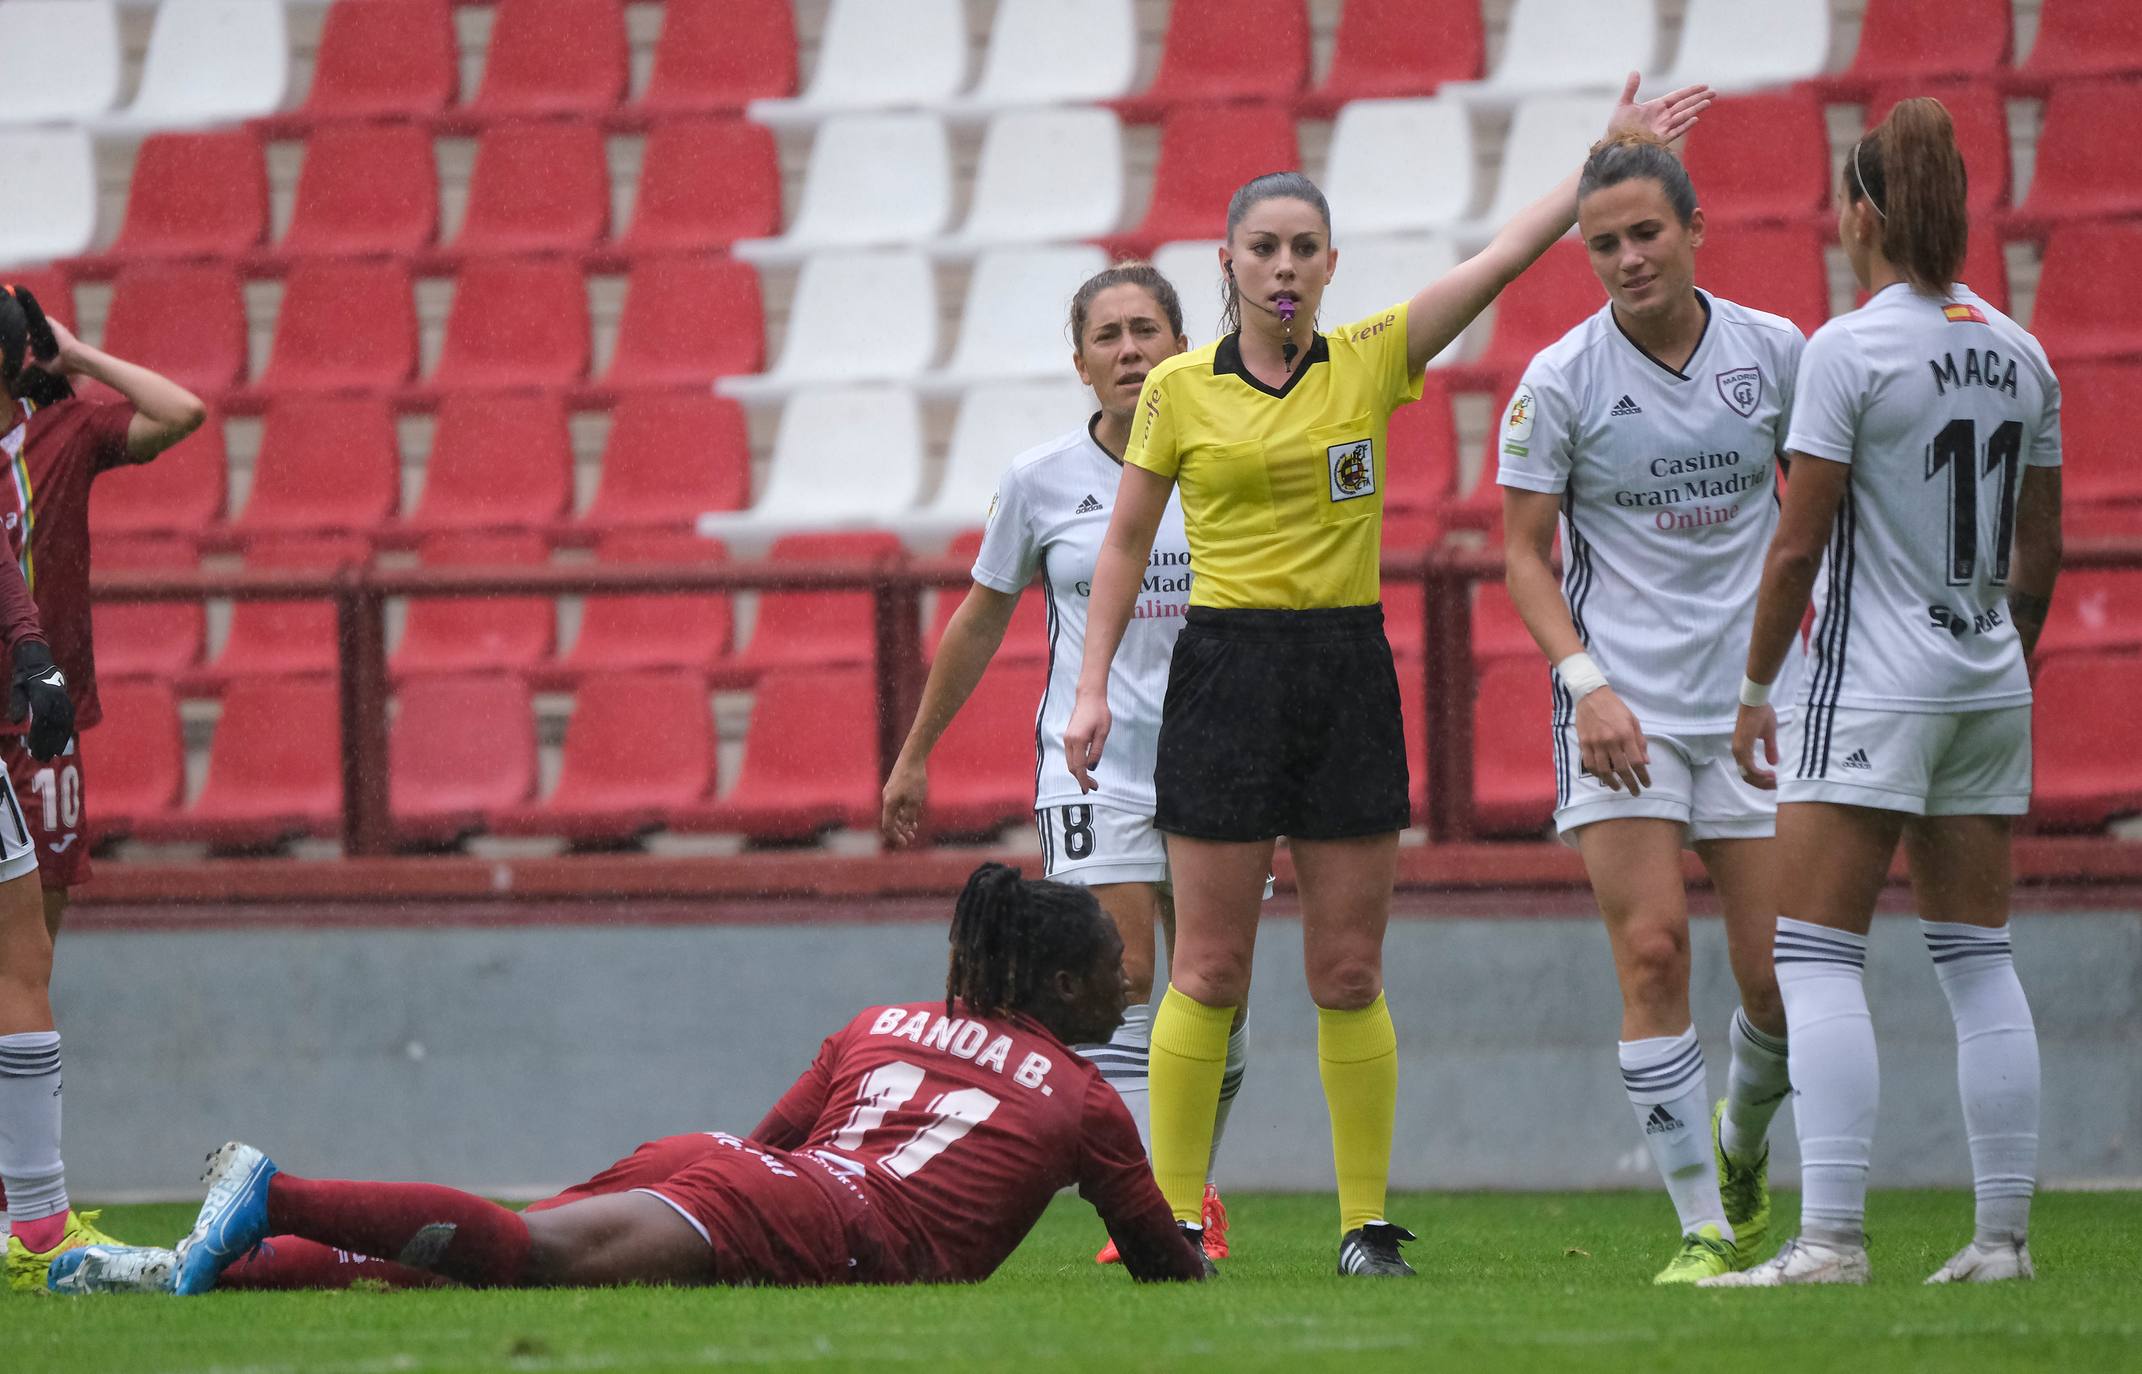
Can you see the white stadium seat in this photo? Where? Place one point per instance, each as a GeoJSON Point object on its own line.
{"type": "Point", "coordinates": [856, 317]}
{"type": "Point", "coordinates": [1374, 273]}
{"type": "Point", "coordinates": [995, 425]}
{"type": "Point", "coordinates": [1045, 175]}
{"type": "Point", "coordinates": [845, 458]}
{"type": "Point", "coordinates": [1055, 52]}
{"type": "Point", "coordinates": [1399, 166]}
{"type": "Point", "coordinates": [873, 181]}
{"type": "Point", "coordinates": [1737, 46]}
{"type": "Point", "coordinates": [1568, 45]}
{"type": "Point", "coordinates": [209, 62]}
{"type": "Point", "coordinates": [50, 209]}
{"type": "Point", "coordinates": [1549, 136]}
{"type": "Point", "coordinates": [877, 55]}
{"type": "Point", "coordinates": [1193, 267]}
{"type": "Point", "coordinates": [63, 61]}
{"type": "Point", "coordinates": [1015, 323]}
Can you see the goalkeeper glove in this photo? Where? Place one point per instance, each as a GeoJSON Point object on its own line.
{"type": "Point", "coordinates": [41, 690]}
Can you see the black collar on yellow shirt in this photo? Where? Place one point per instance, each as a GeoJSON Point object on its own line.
{"type": "Point", "coordinates": [1227, 359]}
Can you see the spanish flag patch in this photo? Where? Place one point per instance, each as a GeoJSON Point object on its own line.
{"type": "Point", "coordinates": [1962, 314]}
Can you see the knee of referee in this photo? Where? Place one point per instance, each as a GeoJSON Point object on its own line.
{"type": "Point", "coordinates": [1216, 976]}
{"type": "Point", "coordinates": [1345, 981]}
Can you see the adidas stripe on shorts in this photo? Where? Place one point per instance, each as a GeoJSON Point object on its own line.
{"type": "Point", "coordinates": [1693, 781]}
{"type": "Point", "coordinates": [1965, 763]}
{"type": "Point", "coordinates": [18, 849]}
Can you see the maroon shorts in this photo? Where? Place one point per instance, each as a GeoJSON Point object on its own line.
{"type": "Point", "coordinates": [50, 794]}
{"type": "Point", "coordinates": [769, 1217]}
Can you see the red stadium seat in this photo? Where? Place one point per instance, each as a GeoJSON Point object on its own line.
{"type": "Point", "coordinates": [639, 746]}
{"type": "Point", "coordinates": [182, 492]}
{"type": "Point", "coordinates": [1985, 268]}
{"type": "Point", "coordinates": [1513, 750]}
{"type": "Point", "coordinates": [549, 58]}
{"type": "Point", "coordinates": [137, 754]}
{"type": "Point", "coordinates": [1026, 639]}
{"type": "Point", "coordinates": [2083, 754]}
{"type": "Point", "coordinates": [1421, 461]}
{"type": "Point", "coordinates": [344, 326]}
{"type": "Point", "coordinates": [1542, 305]}
{"type": "Point", "coordinates": [274, 768]}
{"type": "Point", "coordinates": [2080, 38]}
{"type": "Point", "coordinates": [982, 771]}
{"type": "Point", "coordinates": [2096, 609]}
{"type": "Point", "coordinates": [515, 324]}
{"type": "Point", "coordinates": [1205, 153]}
{"type": "Point", "coordinates": [687, 321]}
{"type": "Point", "coordinates": [1981, 119]}
{"type": "Point", "coordinates": [1789, 183]}
{"type": "Point", "coordinates": [538, 187]}
{"type": "Point", "coordinates": [366, 190]}
{"type": "Point", "coordinates": [1916, 42]}
{"type": "Point", "coordinates": [186, 321]}
{"type": "Point", "coordinates": [1217, 51]}
{"type": "Point", "coordinates": [669, 456]}
{"type": "Point", "coordinates": [459, 749]}
{"type": "Point", "coordinates": [194, 196]}
{"type": "Point", "coordinates": [810, 759]}
{"type": "Point", "coordinates": [2089, 157]}
{"type": "Point", "coordinates": [146, 639]}
{"type": "Point", "coordinates": [2098, 404]}
{"type": "Point", "coordinates": [1775, 268]}
{"type": "Point", "coordinates": [655, 630]}
{"type": "Point", "coordinates": [704, 184]}
{"type": "Point", "coordinates": [2089, 298]}
{"type": "Point", "coordinates": [326, 463]}
{"type": "Point", "coordinates": [478, 634]}
{"type": "Point", "coordinates": [718, 58]}
{"type": "Point", "coordinates": [1404, 615]}
{"type": "Point", "coordinates": [285, 638]}
{"type": "Point", "coordinates": [497, 462]}
{"type": "Point", "coordinates": [1498, 631]}
{"type": "Point", "coordinates": [814, 629]}
{"type": "Point", "coordinates": [1390, 48]}
{"type": "Point", "coordinates": [379, 59]}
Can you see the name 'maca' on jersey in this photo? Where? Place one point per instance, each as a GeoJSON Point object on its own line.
{"type": "Point", "coordinates": [1051, 512]}
{"type": "Point", "coordinates": [1668, 479]}
{"type": "Point", "coordinates": [1937, 405]}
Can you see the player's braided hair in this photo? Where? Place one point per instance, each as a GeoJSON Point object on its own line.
{"type": "Point", "coordinates": [1129, 272]}
{"type": "Point", "coordinates": [1010, 934]}
{"type": "Point", "coordinates": [1638, 155]}
{"type": "Point", "coordinates": [25, 333]}
{"type": "Point", "coordinates": [1911, 171]}
{"type": "Point", "coordinates": [1252, 193]}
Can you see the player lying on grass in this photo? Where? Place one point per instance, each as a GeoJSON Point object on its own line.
{"type": "Point", "coordinates": [920, 1147]}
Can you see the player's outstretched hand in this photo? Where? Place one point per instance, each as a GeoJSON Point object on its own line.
{"type": "Point", "coordinates": [40, 689]}
{"type": "Point", "coordinates": [1757, 725]}
{"type": "Point", "coordinates": [905, 793]}
{"type": "Point", "coordinates": [1085, 737]}
{"type": "Point", "coordinates": [1611, 743]}
{"type": "Point", "coordinates": [1667, 117]}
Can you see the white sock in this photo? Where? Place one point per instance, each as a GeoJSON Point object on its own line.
{"type": "Point", "coordinates": [30, 1165]}
{"type": "Point", "coordinates": [1665, 1079]}
{"type": "Point", "coordinates": [1230, 1084]}
{"type": "Point", "coordinates": [1836, 1081]}
{"type": "Point", "coordinates": [1756, 1086]}
{"type": "Point", "coordinates": [1996, 1070]}
{"type": "Point", "coordinates": [1122, 1062]}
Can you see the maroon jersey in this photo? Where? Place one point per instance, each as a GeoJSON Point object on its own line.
{"type": "Point", "coordinates": [960, 1130]}
{"type": "Point", "coordinates": [53, 453]}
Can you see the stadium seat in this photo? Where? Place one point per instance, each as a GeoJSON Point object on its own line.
{"type": "Point", "coordinates": [1421, 457]}
{"type": "Point", "coordinates": [1205, 153]}
{"type": "Point", "coordinates": [639, 745]}
{"type": "Point", "coordinates": [1548, 137]}
{"type": "Point", "coordinates": [343, 326]}
{"type": "Point", "coordinates": [686, 321]}
{"type": "Point", "coordinates": [1736, 46]}
{"type": "Point", "coordinates": [1778, 268]}
{"type": "Point", "coordinates": [366, 190]}
{"type": "Point", "coordinates": [378, 59]}
{"type": "Point", "coordinates": [1043, 52]}
{"type": "Point", "coordinates": [704, 184]}
{"type": "Point", "coordinates": [274, 768]}
{"type": "Point", "coordinates": [1013, 325]}
{"type": "Point", "coordinates": [1045, 176]}
{"type": "Point", "coordinates": [1399, 167]}
{"type": "Point", "coordinates": [1513, 749]}
{"type": "Point", "coordinates": [1980, 116]}
{"type": "Point", "coordinates": [1223, 51]}
{"type": "Point", "coordinates": [717, 59]}
{"type": "Point", "coordinates": [183, 492]}
{"type": "Point", "coordinates": [1026, 639]}
{"type": "Point", "coordinates": [800, 629]}
{"type": "Point", "coordinates": [1404, 616]}
{"type": "Point", "coordinates": [654, 630]}
{"type": "Point", "coordinates": [1193, 266]}
{"type": "Point", "coordinates": [1550, 297]}
{"type": "Point", "coordinates": [64, 60]}
{"type": "Point", "coordinates": [515, 324]}
{"type": "Point", "coordinates": [1393, 49]}
{"type": "Point", "coordinates": [845, 458]}
{"type": "Point", "coordinates": [498, 462]}
{"type": "Point", "coordinates": [50, 210]}
{"type": "Point", "coordinates": [1916, 42]}
{"type": "Point", "coordinates": [1378, 273]}
{"type": "Point", "coordinates": [1788, 184]}
{"type": "Point", "coordinates": [540, 186]}
{"type": "Point", "coordinates": [1498, 630]}
{"type": "Point", "coordinates": [284, 638]}
{"type": "Point", "coordinates": [2095, 609]}
{"type": "Point", "coordinates": [2089, 301]}
{"type": "Point", "coordinates": [873, 56]}
{"type": "Point", "coordinates": [1568, 45]}
{"type": "Point", "coordinates": [185, 320]}
{"type": "Point", "coordinates": [549, 58]}
{"type": "Point", "coordinates": [158, 640]}
{"type": "Point", "coordinates": [982, 771]}
{"type": "Point", "coordinates": [459, 749]}
{"type": "Point", "coordinates": [2083, 755]}
{"type": "Point", "coordinates": [2079, 38]}
{"type": "Point", "coordinates": [1986, 268]}
{"type": "Point", "coordinates": [502, 634]}
{"type": "Point", "coordinates": [192, 196]}
{"type": "Point", "coordinates": [326, 464]}
{"type": "Point", "coordinates": [873, 180]}
{"type": "Point", "coordinates": [995, 425]}
{"type": "Point", "coordinates": [669, 456]}
{"type": "Point", "coordinates": [2098, 404]}
{"type": "Point", "coordinates": [209, 62]}
{"type": "Point", "coordinates": [137, 754]}
{"type": "Point", "coordinates": [2089, 157]}
{"type": "Point", "coordinates": [854, 317]}
{"type": "Point", "coordinates": [810, 759]}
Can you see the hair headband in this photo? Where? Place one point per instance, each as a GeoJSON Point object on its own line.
{"type": "Point", "coordinates": [1861, 178]}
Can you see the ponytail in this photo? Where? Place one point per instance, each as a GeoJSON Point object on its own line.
{"type": "Point", "coordinates": [1911, 171]}
{"type": "Point", "coordinates": [1011, 935]}
{"type": "Point", "coordinates": [25, 333]}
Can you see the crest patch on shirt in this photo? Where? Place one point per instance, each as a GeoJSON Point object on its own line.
{"type": "Point", "coordinates": [1517, 424]}
{"type": "Point", "coordinates": [1742, 388]}
{"type": "Point", "coordinates": [1353, 469]}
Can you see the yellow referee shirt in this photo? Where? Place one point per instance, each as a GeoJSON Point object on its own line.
{"type": "Point", "coordinates": [1282, 491]}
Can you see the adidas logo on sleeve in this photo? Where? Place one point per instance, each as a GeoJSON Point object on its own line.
{"type": "Point", "coordinates": [1626, 406]}
{"type": "Point", "coordinates": [1087, 506]}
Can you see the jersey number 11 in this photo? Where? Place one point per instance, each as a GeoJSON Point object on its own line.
{"type": "Point", "coordinates": [1955, 450]}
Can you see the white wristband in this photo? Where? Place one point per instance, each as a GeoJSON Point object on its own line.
{"type": "Point", "coordinates": [1753, 693]}
{"type": "Point", "coordinates": [1580, 675]}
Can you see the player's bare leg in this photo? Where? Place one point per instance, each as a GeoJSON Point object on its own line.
{"type": "Point", "coordinates": [624, 1238]}
{"type": "Point", "coordinates": [1758, 1080]}
{"type": "Point", "coordinates": [55, 911]}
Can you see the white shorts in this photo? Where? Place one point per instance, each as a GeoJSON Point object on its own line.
{"type": "Point", "coordinates": [1094, 846]}
{"type": "Point", "coordinates": [1693, 780]}
{"type": "Point", "coordinates": [1965, 763]}
{"type": "Point", "coordinates": [18, 850]}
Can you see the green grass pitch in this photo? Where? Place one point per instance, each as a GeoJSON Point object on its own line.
{"type": "Point", "coordinates": [1509, 1283]}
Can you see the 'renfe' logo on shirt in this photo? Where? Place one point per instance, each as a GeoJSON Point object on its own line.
{"type": "Point", "coordinates": [1741, 387]}
{"type": "Point", "coordinates": [1353, 469]}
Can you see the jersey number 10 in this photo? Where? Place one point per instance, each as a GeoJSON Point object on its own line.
{"type": "Point", "coordinates": [1955, 450]}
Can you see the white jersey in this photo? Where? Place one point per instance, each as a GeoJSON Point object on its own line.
{"type": "Point", "coordinates": [1937, 405]}
{"type": "Point", "coordinates": [1668, 479]}
{"type": "Point", "coordinates": [1050, 513]}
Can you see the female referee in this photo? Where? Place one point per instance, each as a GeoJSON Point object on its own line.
{"type": "Point", "coordinates": [1925, 447]}
{"type": "Point", "coordinates": [1282, 713]}
{"type": "Point", "coordinates": [1050, 511]}
{"type": "Point", "coordinates": [1650, 434]}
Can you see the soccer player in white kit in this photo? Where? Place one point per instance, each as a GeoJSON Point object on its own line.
{"type": "Point", "coordinates": [1925, 450]}
{"type": "Point", "coordinates": [1049, 515]}
{"type": "Point", "coordinates": [1650, 434]}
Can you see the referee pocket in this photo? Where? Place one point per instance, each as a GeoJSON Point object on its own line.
{"type": "Point", "coordinates": [1351, 469]}
{"type": "Point", "coordinates": [1234, 489]}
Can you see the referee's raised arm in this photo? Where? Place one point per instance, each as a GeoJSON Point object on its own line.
{"type": "Point", "coordinates": [1141, 497]}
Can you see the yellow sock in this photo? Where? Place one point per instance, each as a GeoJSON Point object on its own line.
{"type": "Point", "coordinates": [1357, 1057]}
{"type": "Point", "coordinates": [1188, 1059]}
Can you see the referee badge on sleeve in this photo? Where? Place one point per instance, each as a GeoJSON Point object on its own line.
{"type": "Point", "coordinates": [1353, 469]}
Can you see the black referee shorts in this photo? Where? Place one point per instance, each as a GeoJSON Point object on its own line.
{"type": "Point", "coordinates": [1282, 723]}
